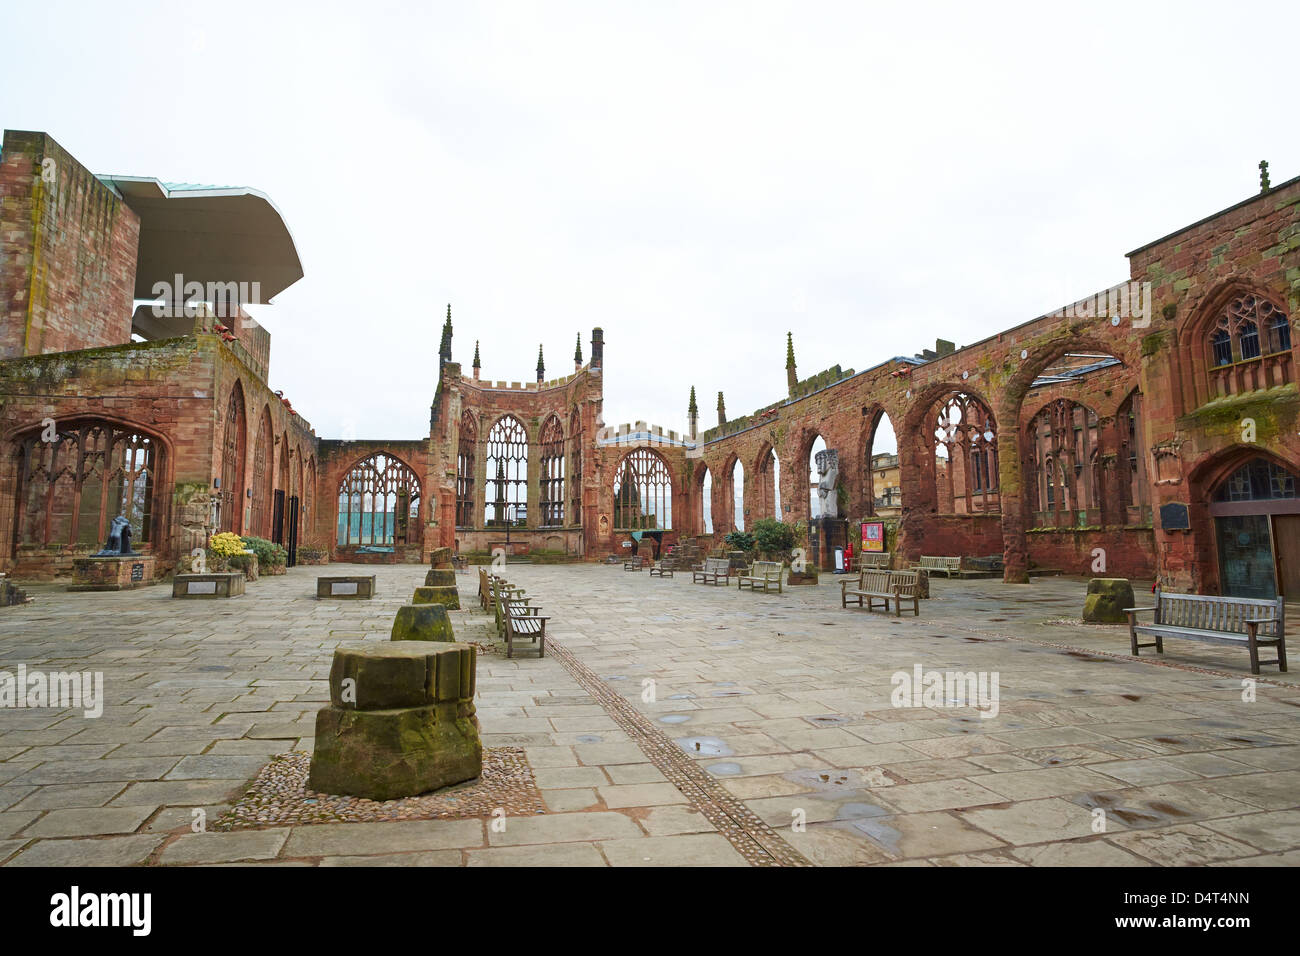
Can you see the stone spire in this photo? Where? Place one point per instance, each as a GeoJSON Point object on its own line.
{"type": "Point", "coordinates": [444, 351]}
{"type": "Point", "coordinates": [577, 354]}
{"type": "Point", "coordinates": [541, 365]}
{"type": "Point", "coordinates": [791, 374]}
{"type": "Point", "coordinates": [693, 414]}
{"type": "Point", "coordinates": [722, 410]}
{"type": "Point", "coordinates": [477, 366]}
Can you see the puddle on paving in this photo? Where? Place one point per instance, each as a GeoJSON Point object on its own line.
{"type": "Point", "coordinates": [682, 697]}
{"type": "Point", "coordinates": [860, 811]}
{"type": "Point", "coordinates": [731, 643]}
{"type": "Point", "coordinates": [1154, 815]}
{"type": "Point", "coordinates": [724, 683]}
{"type": "Point", "coordinates": [880, 833]}
{"type": "Point", "coordinates": [828, 720]}
{"type": "Point", "coordinates": [590, 739]}
{"type": "Point", "coordinates": [724, 769]}
{"type": "Point", "coordinates": [674, 719]}
{"type": "Point", "coordinates": [615, 677]}
{"type": "Point", "coordinates": [710, 746]}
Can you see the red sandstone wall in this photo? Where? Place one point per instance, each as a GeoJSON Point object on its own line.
{"type": "Point", "coordinates": [67, 252]}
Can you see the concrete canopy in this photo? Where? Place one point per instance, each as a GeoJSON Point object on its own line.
{"type": "Point", "coordinates": [208, 234]}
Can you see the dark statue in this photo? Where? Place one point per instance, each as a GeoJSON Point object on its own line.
{"type": "Point", "coordinates": [119, 539]}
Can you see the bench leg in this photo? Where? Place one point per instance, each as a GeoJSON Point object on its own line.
{"type": "Point", "coordinates": [1281, 654]}
{"type": "Point", "coordinates": [1132, 634]}
{"type": "Point", "coordinates": [1252, 646]}
{"type": "Point", "coordinates": [916, 605]}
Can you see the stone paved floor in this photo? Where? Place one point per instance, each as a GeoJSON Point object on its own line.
{"type": "Point", "coordinates": [802, 758]}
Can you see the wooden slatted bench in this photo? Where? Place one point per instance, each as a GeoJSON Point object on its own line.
{"type": "Point", "coordinates": [634, 563]}
{"type": "Point", "coordinates": [523, 623]}
{"type": "Point", "coordinates": [1241, 622]}
{"type": "Point", "coordinates": [663, 568]}
{"type": "Point", "coordinates": [872, 561]}
{"type": "Point", "coordinates": [883, 586]}
{"type": "Point", "coordinates": [761, 574]}
{"type": "Point", "coordinates": [714, 571]}
{"type": "Point", "coordinates": [932, 564]}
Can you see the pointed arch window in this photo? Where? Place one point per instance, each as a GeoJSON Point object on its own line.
{"type": "Point", "coordinates": [465, 456]}
{"type": "Point", "coordinates": [379, 502]}
{"type": "Point", "coordinates": [552, 481]}
{"type": "Point", "coordinates": [71, 489]}
{"type": "Point", "coordinates": [233, 451]}
{"type": "Point", "coordinates": [575, 467]}
{"type": "Point", "coordinates": [507, 474]}
{"type": "Point", "coordinates": [643, 493]}
{"type": "Point", "coordinates": [1249, 347]}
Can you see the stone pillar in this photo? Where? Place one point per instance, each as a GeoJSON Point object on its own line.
{"type": "Point", "coordinates": [1015, 549]}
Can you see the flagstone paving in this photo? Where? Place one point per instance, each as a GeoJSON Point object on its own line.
{"type": "Point", "coordinates": [669, 724]}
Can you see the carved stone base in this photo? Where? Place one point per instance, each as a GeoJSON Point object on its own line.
{"type": "Point", "coordinates": [114, 573]}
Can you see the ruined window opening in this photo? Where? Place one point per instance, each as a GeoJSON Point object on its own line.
{"type": "Point", "coordinates": [966, 436]}
{"type": "Point", "coordinates": [378, 499]}
{"type": "Point", "coordinates": [233, 446]}
{"type": "Point", "coordinates": [643, 493]}
{"type": "Point", "coordinates": [465, 454]}
{"type": "Point", "coordinates": [71, 489]}
{"type": "Point", "coordinates": [260, 511]}
{"type": "Point", "coordinates": [507, 474]}
{"type": "Point", "coordinates": [575, 467]}
{"type": "Point", "coordinates": [552, 481]}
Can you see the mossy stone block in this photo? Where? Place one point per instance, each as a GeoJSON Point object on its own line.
{"type": "Point", "coordinates": [448, 597]}
{"type": "Point", "coordinates": [1106, 600]}
{"type": "Point", "coordinates": [425, 622]}
{"type": "Point", "coordinates": [383, 676]}
{"type": "Point", "coordinates": [440, 578]}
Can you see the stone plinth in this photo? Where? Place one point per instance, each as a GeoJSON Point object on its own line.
{"type": "Point", "coordinates": [118, 572]}
{"type": "Point", "coordinates": [808, 576]}
{"type": "Point", "coordinates": [357, 587]}
{"type": "Point", "coordinates": [448, 597]}
{"type": "Point", "coordinates": [440, 577]}
{"type": "Point", "coordinates": [401, 721]}
{"type": "Point", "coordinates": [424, 622]}
{"type": "Point", "coordinates": [440, 558]}
{"type": "Point", "coordinates": [226, 585]}
{"type": "Point", "coordinates": [1106, 600]}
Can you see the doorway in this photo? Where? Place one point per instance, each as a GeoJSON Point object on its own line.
{"type": "Point", "coordinates": [1257, 530]}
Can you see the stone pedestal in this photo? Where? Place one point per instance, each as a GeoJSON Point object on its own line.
{"type": "Point", "coordinates": [825, 535]}
{"type": "Point", "coordinates": [118, 572]}
{"type": "Point", "coordinates": [358, 587]}
{"type": "Point", "coordinates": [227, 585]}
{"type": "Point", "coordinates": [424, 622]}
{"type": "Point", "coordinates": [448, 597]}
{"type": "Point", "coordinates": [440, 578]}
{"type": "Point", "coordinates": [401, 721]}
{"type": "Point", "coordinates": [1106, 600]}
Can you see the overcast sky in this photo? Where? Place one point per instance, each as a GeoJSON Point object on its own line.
{"type": "Point", "coordinates": [696, 178]}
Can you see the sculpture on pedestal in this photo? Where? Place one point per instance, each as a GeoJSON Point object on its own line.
{"type": "Point", "coordinates": [828, 475]}
{"type": "Point", "coordinates": [119, 539]}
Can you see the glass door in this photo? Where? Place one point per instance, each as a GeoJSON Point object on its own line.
{"type": "Point", "coordinates": [1246, 556]}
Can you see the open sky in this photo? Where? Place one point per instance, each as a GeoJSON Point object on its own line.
{"type": "Point", "coordinates": [697, 178]}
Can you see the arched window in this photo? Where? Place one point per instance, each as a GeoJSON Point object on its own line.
{"type": "Point", "coordinates": [465, 451]}
{"type": "Point", "coordinates": [259, 521]}
{"type": "Point", "coordinates": [575, 467]}
{"type": "Point", "coordinates": [738, 494]}
{"type": "Point", "coordinates": [814, 477]}
{"type": "Point", "coordinates": [1064, 440]}
{"type": "Point", "coordinates": [965, 437]}
{"type": "Point", "coordinates": [769, 484]}
{"type": "Point", "coordinates": [378, 499]}
{"type": "Point", "coordinates": [233, 450]}
{"type": "Point", "coordinates": [507, 474]}
{"type": "Point", "coordinates": [552, 482]}
{"type": "Point", "coordinates": [71, 489]}
{"type": "Point", "coordinates": [643, 493]}
{"type": "Point", "coordinates": [706, 502]}
{"type": "Point", "coordinates": [1249, 347]}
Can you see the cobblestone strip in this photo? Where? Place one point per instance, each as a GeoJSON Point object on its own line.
{"type": "Point", "coordinates": [755, 840]}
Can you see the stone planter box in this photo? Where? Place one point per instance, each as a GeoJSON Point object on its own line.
{"type": "Point", "coordinates": [359, 587]}
{"type": "Point", "coordinates": [801, 577]}
{"type": "Point", "coordinates": [226, 585]}
{"type": "Point", "coordinates": [115, 573]}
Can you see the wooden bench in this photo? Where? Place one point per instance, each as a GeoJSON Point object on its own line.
{"type": "Point", "coordinates": [1241, 622]}
{"type": "Point", "coordinates": [504, 593]}
{"type": "Point", "coordinates": [634, 563]}
{"type": "Point", "coordinates": [663, 568]}
{"type": "Point", "coordinates": [939, 565]}
{"type": "Point", "coordinates": [714, 570]}
{"type": "Point", "coordinates": [883, 586]}
{"type": "Point", "coordinates": [761, 573]}
{"type": "Point", "coordinates": [523, 623]}
{"type": "Point", "coordinates": [873, 561]}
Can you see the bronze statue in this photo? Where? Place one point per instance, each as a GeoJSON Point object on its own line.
{"type": "Point", "coordinates": [119, 539]}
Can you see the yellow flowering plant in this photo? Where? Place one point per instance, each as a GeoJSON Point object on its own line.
{"type": "Point", "coordinates": [227, 544]}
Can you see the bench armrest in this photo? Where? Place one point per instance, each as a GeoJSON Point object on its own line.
{"type": "Point", "coordinates": [1135, 610]}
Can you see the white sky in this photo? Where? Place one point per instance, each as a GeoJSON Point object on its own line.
{"type": "Point", "coordinates": [696, 178]}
